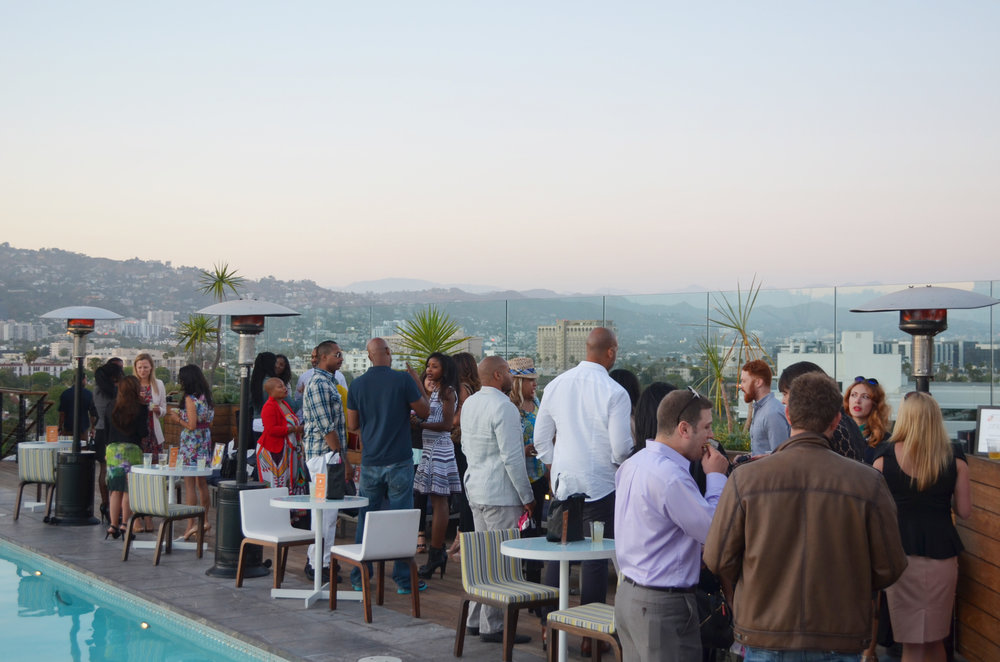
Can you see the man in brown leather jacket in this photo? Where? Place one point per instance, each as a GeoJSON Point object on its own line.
{"type": "Point", "coordinates": [805, 536]}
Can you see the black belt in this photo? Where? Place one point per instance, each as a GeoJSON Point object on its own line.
{"type": "Point", "coordinates": [664, 589]}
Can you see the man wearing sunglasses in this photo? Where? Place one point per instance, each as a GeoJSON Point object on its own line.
{"type": "Point", "coordinates": [662, 521]}
{"type": "Point", "coordinates": [805, 535]}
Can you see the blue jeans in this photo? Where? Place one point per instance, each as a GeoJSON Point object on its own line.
{"type": "Point", "coordinates": [767, 655]}
{"type": "Point", "coordinates": [389, 487]}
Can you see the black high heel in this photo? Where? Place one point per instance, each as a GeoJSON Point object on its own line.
{"type": "Point", "coordinates": [105, 514]}
{"type": "Point", "coordinates": [122, 531]}
{"type": "Point", "coordinates": [437, 557]}
{"type": "Point", "coordinates": [113, 532]}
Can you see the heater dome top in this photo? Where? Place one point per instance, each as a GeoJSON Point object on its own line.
{"type": "Point", "coordinates": [926, 297]}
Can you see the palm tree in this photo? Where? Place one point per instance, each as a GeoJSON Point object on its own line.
{"type": "Point", "coordinates": [215, 283]}
{"type": "Point", "coordinates": [429, 331]}
{"type": "Point", "coordinates": [194, 334]}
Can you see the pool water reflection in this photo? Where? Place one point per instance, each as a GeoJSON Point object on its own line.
{"type": "Point", "coordinates": [48, 612]}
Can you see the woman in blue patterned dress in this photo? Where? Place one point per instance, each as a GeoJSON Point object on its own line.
{"type": "Point", "coordinates": [522, 394]}
{"type": "Point", "coordinates": [437, 475]}
{"type": "Point", "coordinates": [195, 418]}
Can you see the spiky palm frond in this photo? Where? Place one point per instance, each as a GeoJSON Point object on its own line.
{"type": "Point", "coordinates": [427, 332]}
{"type": "Point", "coordinates": [194, 334]}
{"type": "Point", "coordinates": [215, 283]}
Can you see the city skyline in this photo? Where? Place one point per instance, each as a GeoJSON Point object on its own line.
{"type": "Point", "coordinates": [575, 147]}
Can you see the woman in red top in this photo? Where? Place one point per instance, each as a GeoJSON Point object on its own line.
{"type": "Point", "coordinates": [276, 456]}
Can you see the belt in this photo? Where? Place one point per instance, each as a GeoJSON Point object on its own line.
{"type": "Point", "coordinates": [664, 589]}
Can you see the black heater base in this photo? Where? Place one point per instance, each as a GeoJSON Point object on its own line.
{"type": "Point", "coordinates": [75, 489]}
{"type": "Point", "coordinates": [229, 534]}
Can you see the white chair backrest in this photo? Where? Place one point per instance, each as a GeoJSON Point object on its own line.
{"type": "Point", "coordinates": [257, 513]}
{"type": "Point", "coordinates": [390, 534]}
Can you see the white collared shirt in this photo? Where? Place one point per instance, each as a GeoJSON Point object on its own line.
{"type": "Point", "coordinates": [588, 416]}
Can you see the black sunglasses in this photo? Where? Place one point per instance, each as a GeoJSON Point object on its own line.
{"type": "Point", "coordinates": [694, 396]}
{"type": "Point", "coordinates": [867, 380]}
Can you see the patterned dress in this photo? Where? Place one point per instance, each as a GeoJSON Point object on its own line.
{"type": "Point", "coordinates": [198, 442]}
{"type": "Point", "coordinates": [287, 469]}
{"type": "Point", "coordinates": [437, 473]}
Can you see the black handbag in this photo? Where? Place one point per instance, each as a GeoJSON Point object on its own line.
{"type": "Point", "coordinates": [565, 522]}
{"type": "Point", "coordinates": [714, 614]}
{"type": "Point", "coordinates": [335, 481]}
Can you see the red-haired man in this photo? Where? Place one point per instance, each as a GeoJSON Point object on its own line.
{"type": "Point", "coordinates": [768, 426]}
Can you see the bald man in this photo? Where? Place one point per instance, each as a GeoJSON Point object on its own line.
{"type": "Point", "coordinates": [378, 408]}
{"type": "Point", "coordinates": [496, 481]}
{"type": "Point", "coordinates": [590, 413]}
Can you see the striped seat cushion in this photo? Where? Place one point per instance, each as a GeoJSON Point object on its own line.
{"type": "Point", "coordinates": [595, 616]}
{"type": "Point", "coordinates": [36, 465]}
{"type": "Point", "coordinates": [512, 592]}
{"type": "Point", "coordinates": [180, 510]}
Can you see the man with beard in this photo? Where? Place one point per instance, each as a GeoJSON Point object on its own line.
{"type": "Point", "coordinates": [768, 425]}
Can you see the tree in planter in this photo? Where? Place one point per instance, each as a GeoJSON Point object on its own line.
{"type": "Point", "coordinates": [215, 283]}
{"type": "Point", "coordinates": [427, 332]}
{"type": "Point", "coordinates": [194, 334]}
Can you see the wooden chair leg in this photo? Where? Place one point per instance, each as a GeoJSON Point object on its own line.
{"type": "Point", "coordinates": [239, 563]}
{"type": "Point", "coordinates": [379, 582]}
{"type": "Point", "coordinates": [415, 592]}
{"type": "Point", "coordinates": [366, 591]}
{"type": "Point", "coordinates": [552, 646]}
{"type": "Point", "coordinates": [49, 491]}
{"type": "Point", "coordinates": [334, 568]}
{"type": "Point", "coordinates": [168, 529]}
{"type": "Point", "coordinates": [160, 533]}
{"type": "Point", "coordinates": [128, 536]}
{"type": "Point", "coordinates": [199, 537]}
{"type": "Point", "coordinates": [463, 614]}
{"type": "Point", "coordinates": [17, 505]}
{"type": "Point", "coordinates": [280, 558]}
{"type": "Point", "coordinates": [509, 627]}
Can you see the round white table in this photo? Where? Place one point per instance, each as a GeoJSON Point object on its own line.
{"type": "Point", "coordinates": [172, 473]}
{"type": "Point", "coordinates": [540, 549]}
{"type": "Point", "coordinates": [316, 506]}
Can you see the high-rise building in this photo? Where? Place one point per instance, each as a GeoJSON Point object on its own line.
{"type": "Point", "coordinates": [564, 344]}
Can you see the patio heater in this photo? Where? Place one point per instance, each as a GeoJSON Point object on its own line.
{"type": "Point", "coordinates": [923, 313]}
{"type": "Point", "coordinates": [246, 318]}
{"type": "Point", "coordinates": [75, 469]}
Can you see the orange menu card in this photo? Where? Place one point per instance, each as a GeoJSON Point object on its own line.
{"type": "Point", "coordinates": [173, 457]}
{"type": "Point", "coordinates": [320, 480]}
{"type": "Point", "coordinates": [51, 433]}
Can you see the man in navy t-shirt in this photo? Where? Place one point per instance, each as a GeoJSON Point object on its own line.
{"type": "Point", "coordinates": [378, 407]}
{"type": "Point", "coordinates": [86, 415]}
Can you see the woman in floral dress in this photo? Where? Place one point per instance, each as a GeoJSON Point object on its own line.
{"type": "Point", "coordinates": [195, 418]}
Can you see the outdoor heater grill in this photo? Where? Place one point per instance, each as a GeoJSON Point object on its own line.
{"type": "Point", "coordinates": [247, 320]}
{"type": "Point", "coordinates": [923, 313]}
{"type": "Point", "coordinates": [75, 469]}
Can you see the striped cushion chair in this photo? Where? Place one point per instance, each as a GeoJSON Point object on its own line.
{"type": "Point", "coordinates": [36, 465]}
{"type": "Point", "coordinates": [147, 495]}
{"type": "Point", "coordinates": [596, 620]}
{"type": "Point", "coordinates": [496, 580]}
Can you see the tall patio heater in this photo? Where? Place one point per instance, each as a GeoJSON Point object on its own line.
{"type": "Point", "coordinates": [246, 318]}
{"type": "Point", "coordinates": [75, 469]}
{"type": "Point", "coordinates": [923, 313]}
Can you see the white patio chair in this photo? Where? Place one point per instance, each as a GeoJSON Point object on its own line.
{"type": "Point", "coordinates": [268, 526]}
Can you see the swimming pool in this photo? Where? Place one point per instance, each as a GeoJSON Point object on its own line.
{"type": "Point", "coordinates": [50, 612]}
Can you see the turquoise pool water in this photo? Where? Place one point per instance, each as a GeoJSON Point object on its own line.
{"type": "Point", "coordinates": [50, 612]}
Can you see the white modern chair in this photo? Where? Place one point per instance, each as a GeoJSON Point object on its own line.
{"type": "Point", "coordinates": [390, 535]}
{"type": "Point", "coordinates": [268, 526]}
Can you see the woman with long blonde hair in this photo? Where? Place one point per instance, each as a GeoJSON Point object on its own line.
{"type": "Point", "coordinates": [929, 479]}
{"type": "Point", "coordinates": [154, 395]}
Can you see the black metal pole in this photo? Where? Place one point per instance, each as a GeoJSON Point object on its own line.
{"type": "Point", "coordinates": [75, 469]}
{"type": "Point", "coordinates": [228, 524]}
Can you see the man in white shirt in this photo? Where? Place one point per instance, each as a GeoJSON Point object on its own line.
{"type": "Point", "coordinates": [589, 414]}
{"type": "Point", "coordinates": [496, 481]}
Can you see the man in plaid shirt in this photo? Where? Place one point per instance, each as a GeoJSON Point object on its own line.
{"type": "Point", "coordinates": [324, 431]}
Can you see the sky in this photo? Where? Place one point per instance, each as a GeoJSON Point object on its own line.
{"type": "Point", "coordinates": [575, 146]}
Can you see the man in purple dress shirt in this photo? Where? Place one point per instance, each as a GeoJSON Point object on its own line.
{"type": "Point", "coordinates": [662, 521]}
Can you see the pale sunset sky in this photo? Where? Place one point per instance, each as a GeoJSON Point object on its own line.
{"type": "Point", "coordinates": [578, 146]}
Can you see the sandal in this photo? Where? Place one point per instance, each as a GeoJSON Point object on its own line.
{"type": "Point", "coordinates": [421, 543]}
{"type": "Point", "coordinates": [138, 527]}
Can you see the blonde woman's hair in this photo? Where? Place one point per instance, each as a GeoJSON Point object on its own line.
{"type": "Point", "coordinates": [517, 392]}
{"type": "Point", "coordinates": [926, 446]}
{"type": "Point", "coordinates": [152, 370]}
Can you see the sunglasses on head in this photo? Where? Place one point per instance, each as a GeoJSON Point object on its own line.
{"type": "Point", "coordinates": [866, 380]}
{"type": "Point", "coordinates": [694, 396]}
